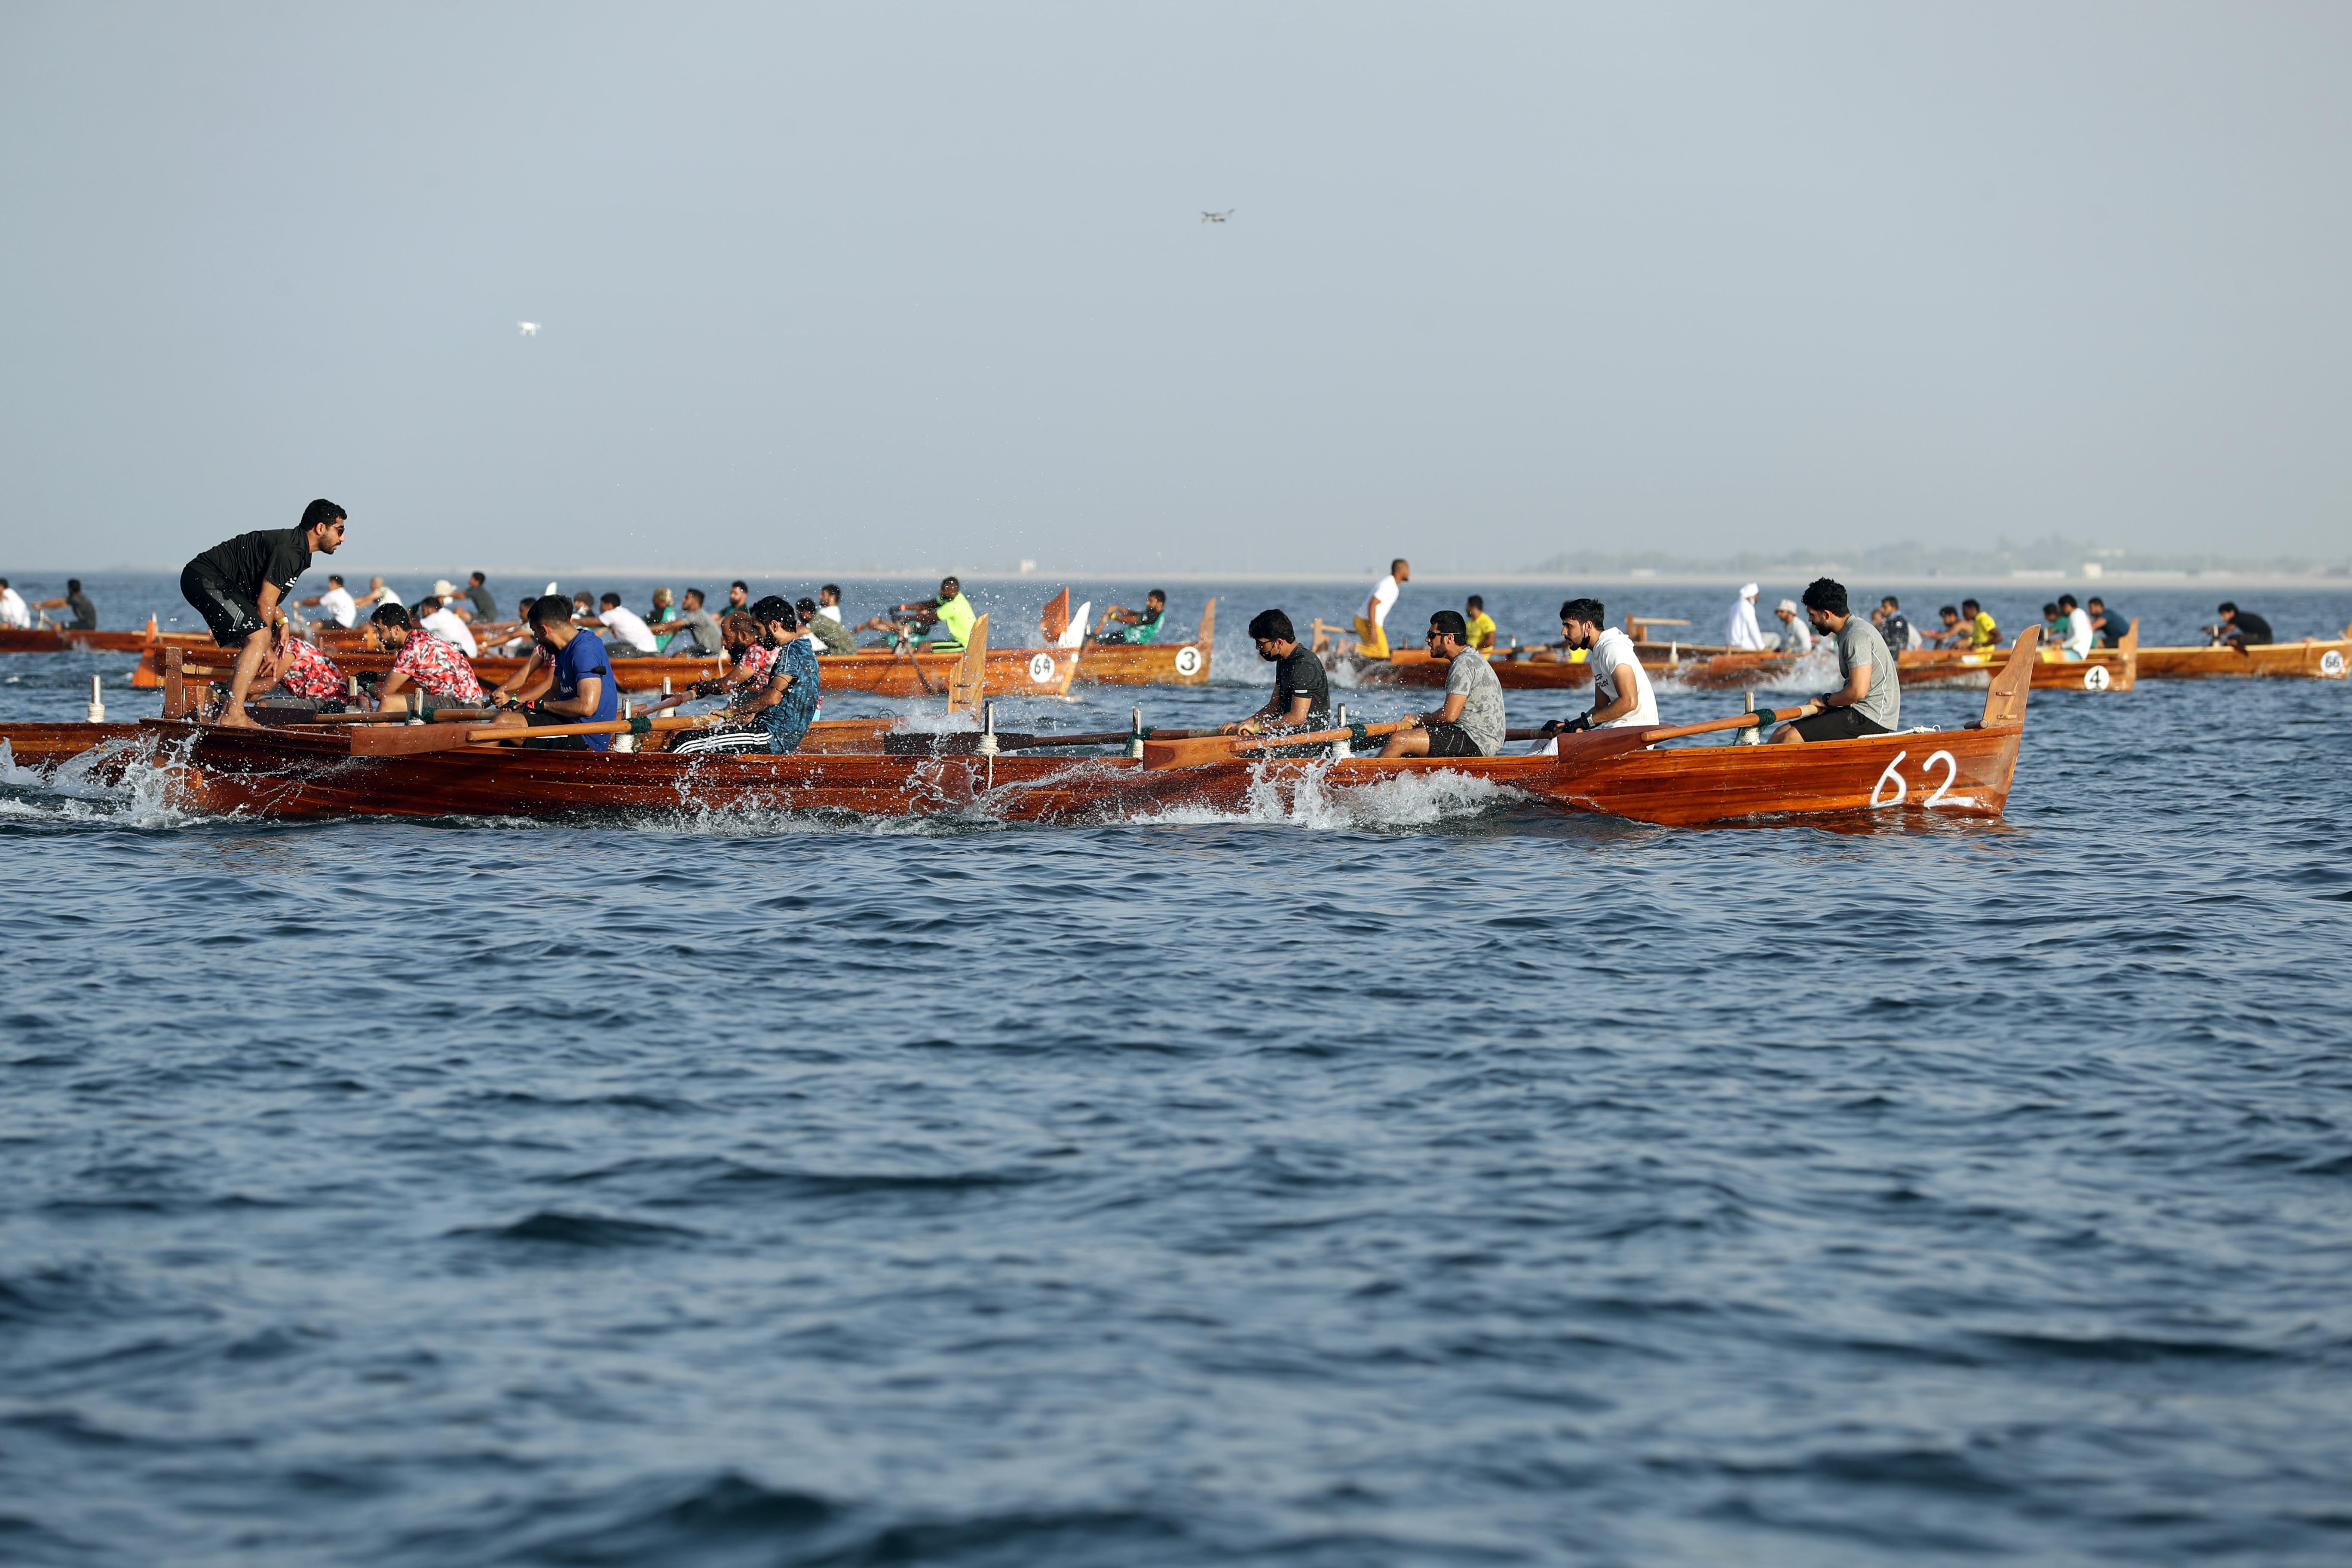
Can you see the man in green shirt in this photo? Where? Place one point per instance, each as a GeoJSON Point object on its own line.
{"type": "Point", "coordinates": [1136, 627]}
{"type": "Point", "coordinates": [949, 610]}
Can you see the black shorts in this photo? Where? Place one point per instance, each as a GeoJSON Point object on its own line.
{"type": "Point", "coordinates": [1451, 740]}
{"type": "Point", "coordinates": [1838, 725]}
{"type": "Point", "coordinates": [232, 616]}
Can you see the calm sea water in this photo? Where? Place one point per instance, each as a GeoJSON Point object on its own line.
{"type": "Point", "coordinates": [1428, 1181]}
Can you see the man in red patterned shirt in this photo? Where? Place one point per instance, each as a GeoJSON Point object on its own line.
{"type": "Point", "coordinates": [440, 672]}
{"type": "Point", "coordinates": [297, 670]}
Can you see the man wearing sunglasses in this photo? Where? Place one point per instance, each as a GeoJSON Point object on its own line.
{"type": "Point", "coordinates": [1471, 722]}
{"type": "Point", "coordinates": [240, 584]}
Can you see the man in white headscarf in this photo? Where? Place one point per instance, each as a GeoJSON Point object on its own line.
{"type": "Point", "coordinates": [1741, 630]}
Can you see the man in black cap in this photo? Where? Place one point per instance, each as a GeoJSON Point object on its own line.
{"type": "Point", "coordinates": [239, 587]}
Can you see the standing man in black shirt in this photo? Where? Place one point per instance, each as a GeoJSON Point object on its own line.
{"type": "Point", "coordinates": [1302, 692]}
{"type": "Point", "coordinates": [239, 584]}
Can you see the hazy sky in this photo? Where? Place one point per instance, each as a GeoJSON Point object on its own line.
{"type": "Point", "coordinates": [928, 286]}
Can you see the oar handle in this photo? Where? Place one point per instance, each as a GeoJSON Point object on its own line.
{"type": "Point", "coordinates": [641, 725]}
{"type": "Point", "coordinates": [1312, 737]}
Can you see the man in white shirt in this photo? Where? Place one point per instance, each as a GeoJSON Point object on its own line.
{"type": "Point", "coordinates": [630, 632]}
{"type": "Point", "coordinates": [1371, 626]}
{"type": "Point", "coordinates": [378, 594]}
{"type": "Point", "coordinates": [1741, 630]}
{"type": "Point", "coordinates": [14, 611]}
{"type": "Point", "coordinates": [438, 618]}
{"type": "Point", "coordinates": [2076, 644]}
{"type": "Point", "coordinates": [828, 602]}
{"type": "Point", "coordinates": [1796, 636]}
{"type": "Point", "coordinates": [336, 604]}
{"type": "Point", "coordinates": [1621, 686]}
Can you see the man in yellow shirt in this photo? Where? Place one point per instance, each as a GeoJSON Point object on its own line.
{"type": "Point", "coordinates": [1983, 632]}
{"type": "Point", "coordinates": [1481, 634]}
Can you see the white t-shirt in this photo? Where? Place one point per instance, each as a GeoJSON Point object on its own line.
{"type": "Point", "coordinates": [442, 624]}
{"type": "Point", "coordinates": [388, 594]}
{"type": "Point", "coordinates": [13, 612]}
{"type": "Point", "coordinates": [1741, 630]}
{"type": "Point", "coordinates": [336, 604]}
{"type": "Point", "coordinates": [2078, 632]}
{"type": "Point", "coordinates": [628, 627]}
{"type": "Point", "coordinates": [1613, 661]}
{"type": "Point", "coordinates": [833, 610]}
{"type": "Point", "coordinates": [1384, 596]}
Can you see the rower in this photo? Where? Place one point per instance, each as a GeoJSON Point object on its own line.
{"type": "Point", "coordinates": [238, 587]}
{"type": "Point", "coordinates": [632, 638]}
{"type": "Point", "coordinates": [1470, 724]}
{"type": "Point", "coordinates": [2237, 628]}
{"type": "Point", "coordinates": [442, 675]}
{"type": "Point", "coordinates": [1796, 636]}
{"type": "Point", "coordinates": [14, 612]}
{"type": "Point", "coordinates": [828, 602]}
{"type": "Point", "coordinates": [477, 594]}
{"type": "Point", "coordinates": [827, 636]}
{"type": "Point", "coordinates": [1740, 629]}
{"type": "Point", "coordinates": [435, 617]}
{"type": "Point", "coordinates": [336, 606]}
{"type": "Point", "coordinates": [2053, 625]}
{"type": "Point", "coordinates": [85, 614]}
{"type": "Point", "coordinates": [739, 597]}
{"type": "Point", "coordinates": [1894, 626]}
{"type": "Point", "coordinates": [774, 718]}
{"type": "Point", "coordinates": [1371, 626]}
{"type": "Point", "coordinates": [695, 633]}
{"type": "Point", "coordinates": [567, 680]}
{"type": "Point", "coordinates": [1951, 633]}
{"type": "Point", "coordinates": [378, 594]}
{"type": "Point", "coordinates": [1479, 626]}
{"type": "Point", "coordinates": [1984, 632]}
{"type": "Point", "coordinates": [301, 671]}
{"type": "Point", "coordinates": [1136, 627]}
{"type": "Point", "coordinates": [1302, 692]}
{"type": "Point", "coordinates": [2074, 636]}
{"type": "Point", "coordinates": [2109, 626]}
{"type": "Point", "coordinates": [1871, 700]}
{"type": "Point", "coordinates": [1621, 686]}
{"type": "Point", "coordinates": [950, 609]}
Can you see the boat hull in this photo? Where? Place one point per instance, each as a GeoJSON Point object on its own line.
{"type": "Point", "coordinates": [1962, 773]}
{"type": "Point", "coordinates": [2326, 660]}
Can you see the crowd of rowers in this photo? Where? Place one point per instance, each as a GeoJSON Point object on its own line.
{"type": "Point", "coordinates": [768, 647]}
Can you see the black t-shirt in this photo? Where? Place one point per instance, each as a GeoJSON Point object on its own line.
{"type": "Point", "coordinates": [2109, 632]}
{"type": "Point", "coordinates": [2253, 626]}
{"type": "Point", "coordinates": [85, 612]}
{"type": "Point", "coordinates": [1300, 674]}
{"type": "Point", "coordinates": [265, 555]}
{"type": "Point", "coordinates": [1895, 631]}
{"type": "Point", "coordinates": [484, 605]}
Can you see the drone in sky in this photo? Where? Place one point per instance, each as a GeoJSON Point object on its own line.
{"type": "Point", "coordinates": [1217, 217]}
{"type": "Point", "coordinates": [530, 329]}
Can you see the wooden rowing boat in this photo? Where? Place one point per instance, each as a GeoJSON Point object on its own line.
{"type": "Point", "coordinates": [1152, 664]}
{"type": "Point", "coordinates": [2313, 660]}
{"type": "Point", "coordinates": [322, 771]}
{"type": "Point", "coordinates": [2104, 669]}
{"type": "Point", "coordinates": [1012, 672]}
{"type": "Point", "coordinates": [63, 639]}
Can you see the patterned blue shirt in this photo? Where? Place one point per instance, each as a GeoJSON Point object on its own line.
{"type": "Point", "coordinates": [788, 720]}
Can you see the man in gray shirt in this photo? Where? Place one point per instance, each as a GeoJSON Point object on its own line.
{"type": "Point", "coordinates": [692, 634]}
{"type": "Point", "coordinates": [1871, 700]}
{"type": "Point", "coordinates": [1471, 722]}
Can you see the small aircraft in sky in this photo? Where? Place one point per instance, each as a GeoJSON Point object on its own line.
{"type": "Point", "coordinates": [1217, 217]}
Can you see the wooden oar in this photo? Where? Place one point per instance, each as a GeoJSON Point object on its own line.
{"type": "Point", "coordinates": [1598, 745]}
{"type": "Point", "coordinates": [1194, 754]}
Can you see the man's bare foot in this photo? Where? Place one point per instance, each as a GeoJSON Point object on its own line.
{"type": "Point", "coordinates": [237, 720]}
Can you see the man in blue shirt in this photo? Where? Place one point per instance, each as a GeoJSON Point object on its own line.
{"type": "Point", "coordinates": [775, 719]}
{"type": "Point", "coordinates": [567, 680]}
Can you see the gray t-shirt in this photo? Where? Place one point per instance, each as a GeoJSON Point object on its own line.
{"type": "Point", "coordinates": [1858, 645]}
{"type": "Point", "coordinates": [1482, 708]}
{"type": "Point", "coordinates": [693, 635]}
